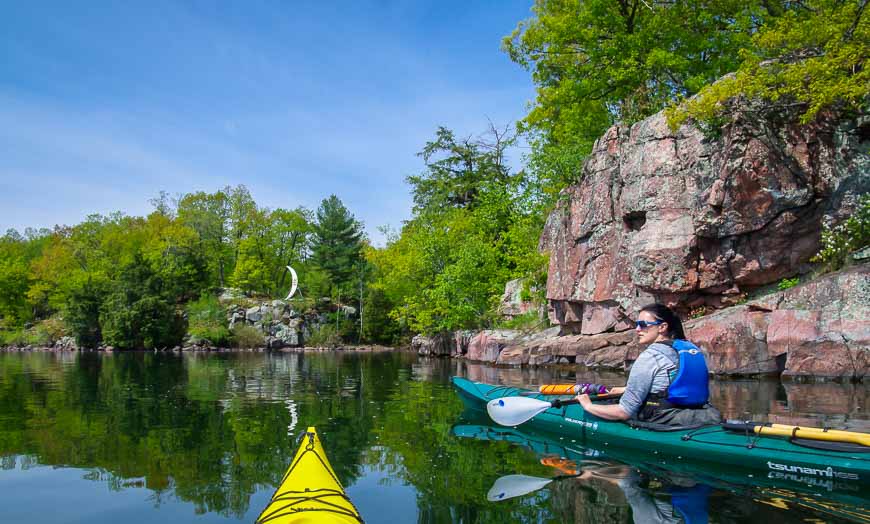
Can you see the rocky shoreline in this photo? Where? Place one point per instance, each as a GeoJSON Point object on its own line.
{"type": "Point", "coordinates": [819, 329]}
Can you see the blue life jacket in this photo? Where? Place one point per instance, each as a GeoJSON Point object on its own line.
{"type": "Point", "coordinates": [691, 503]}
{"type": "Point", "coordinates": [690, 386]}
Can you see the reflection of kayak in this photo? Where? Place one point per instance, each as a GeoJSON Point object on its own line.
{"type": "Point", "coordinates": [310, 492]}
{"type": "Point", "coordinates": [776, 457]}
{"type": "Point", "coordinates": [831, 497]}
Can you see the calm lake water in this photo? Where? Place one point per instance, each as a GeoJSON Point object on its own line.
{"type": "Point", "coordinates": [144, 437]}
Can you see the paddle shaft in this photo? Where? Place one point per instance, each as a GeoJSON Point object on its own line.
{"type": "Point", "coordinates": [782, 430]}
{"type": "Point", "coordinates": [559, 403]}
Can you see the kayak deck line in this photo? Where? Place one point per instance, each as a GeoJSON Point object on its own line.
{"type": "Point", "coordinates": [310, 491]}
{"type": "Point", "coordinates": [309, 496]}
{"type": "Point", "coordinates": [753, 440]}
{"type": "Point", "coordinates": [747, 450]}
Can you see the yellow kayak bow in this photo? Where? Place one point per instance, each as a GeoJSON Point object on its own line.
{"type": "Point", "coordinates": [310, 493]}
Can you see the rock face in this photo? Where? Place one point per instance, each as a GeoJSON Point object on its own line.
{"type": "Point", "coordinates": [512, 303]}
{"type": "Point", "coordinates": [677, 218]}
{"type": "Point", "coordinates": [435, 346]}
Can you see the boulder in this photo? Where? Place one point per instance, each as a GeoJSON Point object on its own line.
{"type": "Point", "coordinates": [348, 311]}
{"type": "Point", "coordinates": [486, 345]}
{"type": "Point", "coordinates": [518, 356]}
{"type": "Point", "coordinates": [461, 339]}
{"type": "Point", "coordinates": [734, 341]}
{"type": "Point", "coordinates": [288, 335]}
{"type": "Point", "coordinates": [66, 344]}
{"type": "Point", "coordinates": [254, 314]}
{"type": "Point", "coordinates": [436, 345]}
{"type": "Point", "coordinates": [828, 357]}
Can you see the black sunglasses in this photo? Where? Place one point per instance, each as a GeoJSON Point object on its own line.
{"type": "Point", "coordinates": [643, 324]}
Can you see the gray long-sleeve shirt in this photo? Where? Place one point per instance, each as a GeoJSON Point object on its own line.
{"type": "Point", "coordinates": [649, 374]}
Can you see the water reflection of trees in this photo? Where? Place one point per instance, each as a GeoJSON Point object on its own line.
{"type": "Point", "coordinates": [213, 429]}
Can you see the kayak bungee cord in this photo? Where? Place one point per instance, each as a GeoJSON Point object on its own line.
{"type": "Point", "coordinates": [752, 442]}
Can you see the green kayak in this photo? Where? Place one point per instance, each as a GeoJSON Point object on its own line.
{"type": "Point", "coordinates": [773, 457]}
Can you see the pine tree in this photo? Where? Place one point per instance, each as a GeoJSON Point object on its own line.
{"type": "Point", "coordinates": [337, 241]}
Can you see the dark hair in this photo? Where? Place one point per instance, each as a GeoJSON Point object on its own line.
{"type": "Point", "coordinates": [663, 312]}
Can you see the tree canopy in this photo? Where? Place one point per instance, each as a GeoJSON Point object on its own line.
{"type": "Point", "coordinates": [813, 56]}
{"type": "Point", "coordinates": [475, 226]}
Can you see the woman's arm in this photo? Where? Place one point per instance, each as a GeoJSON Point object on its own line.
{"type": "Point", "coordinates": [605, 411]}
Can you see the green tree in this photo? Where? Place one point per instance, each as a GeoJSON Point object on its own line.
{"type": "Point", "coordinates": [291, 235]}
{"type": "Point", "coordinates": [209, 215]}
{"type": "Point", "coordinates": [596, 62]}
{"type": "Point", "coordinates": [242, 210]}
{"type": "Point", "coordinates": [336, 242]}
{"type": "Point", "coordinates": [475, 226]}
{"type": "Point", "coordinates": [83, 312]}
{"type": "Point", "coordinates": [14, 278]}
{"type": "Point", "coordinates": [812, 57]}
{"type": "Point", "coordinates": [139, 313]}
{"type": "Point", "coordinates": [457, 170]}
{"type": "Point", "coordinates": [171, 250]}
{"type": "Point", "coordinates": [275, 239]}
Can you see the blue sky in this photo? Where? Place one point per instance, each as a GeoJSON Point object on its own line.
{"type": "Point", "coordinates": [103, 105]}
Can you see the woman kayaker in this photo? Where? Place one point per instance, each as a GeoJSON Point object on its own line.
{"type": "Point", "coordinates": [668, 382]}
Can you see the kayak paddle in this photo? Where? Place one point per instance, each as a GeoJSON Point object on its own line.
{"type": "Point", "coordinates": [513, 411]}
{"type": "Point", "coordinates": [511, 486]}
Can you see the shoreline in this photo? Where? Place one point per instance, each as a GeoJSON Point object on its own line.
{"type": "Point", "coordinates": [372, 348]}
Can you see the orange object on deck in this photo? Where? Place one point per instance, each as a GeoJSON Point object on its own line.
{"type": "Point", "coordinates": [566, 466]}
{"type": "Point", "coordinates": [558, 389]}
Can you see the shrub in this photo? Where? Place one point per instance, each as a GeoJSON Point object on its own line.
{"type": "Point", "coordinates": [526, 321]}
{"type": "Point", "coordinates": [839, 242]}
{"type": "Point", "coordinates": [698, 312]}
{"type": "Point", "coordinates": [323, 335]}
{"type": "Point", "coordinates": [148, 323]}
{"type": "Point", "coordinates": [13, 337]}
{"type": "Point", "coordinates": [51, 330]}
{"type": "Point", "coordinates": [245, 336]}
{"type": "Point", "coordinates": [207, 320]}
{"type": "Point", "coordinates": [788, 283]}
{"type": "Point", "coordinates": [43, 334]}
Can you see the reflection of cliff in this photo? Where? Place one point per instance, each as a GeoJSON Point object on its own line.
{"type": "Point", "coordinates": [843, 406]}
{"type": "Point", "coordinates": [591, 501]}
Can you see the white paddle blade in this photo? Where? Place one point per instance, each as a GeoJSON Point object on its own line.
{"type": "Point", "coordinates": [513, 411]}
{"type": "Point", "coordinates": [511, 486]}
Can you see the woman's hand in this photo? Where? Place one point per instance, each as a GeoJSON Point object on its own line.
{"type": "Point", "coordinates": [584, 400]}
{"type": "Point", "coordinates": [609, 412]}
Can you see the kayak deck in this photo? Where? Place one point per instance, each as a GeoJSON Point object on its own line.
{"type": "Point", "coordinates": [775, 456]}
{"type": "Point", "coordinates": [309, 491]}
